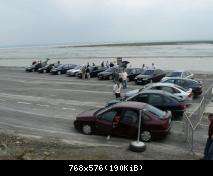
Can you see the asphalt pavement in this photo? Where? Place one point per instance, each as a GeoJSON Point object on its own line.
{"type": "Point", "coordinates": [46, 105]}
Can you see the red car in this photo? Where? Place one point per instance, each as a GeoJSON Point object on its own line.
{"type": "Point", "coordinates": [154, 122]}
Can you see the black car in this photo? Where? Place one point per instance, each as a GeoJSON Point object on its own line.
{"type": "Point", "coordinates": [150, 75]}
{"type": "Point", "coordinates": [46, 69]}
{"type": "Point", "coordinates": [160, 99]}
{"type": "Point", "coordinates": [62, 69]}
{"type": "Point", "coordinates": [107, 74]}
{"type": "Point", "coordinates": [133, 72]}
{"type": "Point", "coordinates": [94, 70]}
{"type": "Point", "coordinates": [196, 86]}
{"type": "Point", "coordinates": [33, 68]}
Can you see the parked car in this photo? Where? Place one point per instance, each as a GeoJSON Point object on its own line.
{"type": "Point", "coordinates": [46, 69]}
{"type": "Point", "coordinates": [132, 73]}
{"type": "Point", "coordinates": [150, 75]}
{"type": "Point", "coordinates": [33, 68]}
{"type": "Point", "coordinates": [107, 74]}
{"type": "Point", "coordinates": [158, 98]}
{"type": "Point", "coordinates": [62, 69]}
{"type": "Point", "coordinates": [99, 121]}
{"type": "Point", "coordinates": [178, 91]}
{"type": "Point", "coordinates": [74, 72]}
{"type": "Point", "coordinates": [94, 71]}
{"type": "Point", "coordinates": [196, 86]}
{"type": "Point", "coordinates": [179, 74]}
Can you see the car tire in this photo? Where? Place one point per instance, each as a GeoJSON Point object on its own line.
{"type": "Point", "coordinates": [146, 136]}
{"type": "Point", "coordinates": [137, 146]}
{"type": "Point", "coordinates": [110, 77]}
{"type": "Point", "coordinates": [59, 72]}
{"type": "Point", "coordinates": [87, 129]}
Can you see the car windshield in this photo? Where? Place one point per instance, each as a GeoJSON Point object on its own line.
{"type": "Point", "coordinates": [154, 111]}
{"type": "Point", "coordinates": [174, 74]}
{"type": "Point", "coordinates": [61, 66]}
{"type": "Point", "coordinates": [77, 67]}
{"type": "Point", "coordinates": [101, 110]}
{"type": "Point", "coordinates": [109, 70]}
{"type": "Point", "coordinates": [148, 72]}
{"type": "Point", "coordinates": [181, 88]}
{"type": "Point", "coordinates": [129, 70]}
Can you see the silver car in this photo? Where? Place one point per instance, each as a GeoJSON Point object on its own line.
{"type": "Point", "coordinates": [176, 90]}
{"type": "Point", "coordinates": [179, 74]}
{"type": "Point", "coordinates": [74, 71]}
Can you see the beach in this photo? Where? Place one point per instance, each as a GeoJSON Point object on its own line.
{"type": "Point", "coordinates": [166, 56]}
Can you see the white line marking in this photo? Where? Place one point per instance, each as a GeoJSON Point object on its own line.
{"type": "Point", "coordinates": [43, 105]}
{"type": "Point", "coordinates": [27, 103]}
{"type": "Point", "coordinates": [65, 108]}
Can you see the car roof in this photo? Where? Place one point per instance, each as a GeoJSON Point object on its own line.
{"type": "Point", "coordinates": [130, 104]}
{"type": "Point", "coordinates": [187, 79]}
{"type": "Point", "coordinates": [161, 84]}
{"type": "Point", "coordinates": [161, 92]}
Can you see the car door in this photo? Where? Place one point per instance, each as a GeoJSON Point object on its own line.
{"type": "Point", "coordinates": [157, 100]}
{"type": "Point", "coordinates": [103, 123]}
{"type": "Point", "coordinates": [128, 124]}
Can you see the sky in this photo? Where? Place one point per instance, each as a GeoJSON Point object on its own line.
{"type": "Point", "coordinates": [30, 22]}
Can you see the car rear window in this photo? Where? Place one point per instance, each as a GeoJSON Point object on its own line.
{"type": "Point", "coordinates": [148, 72]}
{"type": "Point", "coordinates": [109, 70]}
{"type": "Point", "coordinates": [154, 111]}
{"type": "Point", "coordinates": [174, 74]}
{"type": "Point", "coordinates": [181, 88]}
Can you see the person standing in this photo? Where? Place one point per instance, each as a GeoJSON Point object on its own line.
{"type": "Point", "coordinates": [124, 79]}
{"type": "Point", "coordinates": [88, 72]}
{"type": "Point", "coordinates": [83, 71]}
{"type": "Point", "coordinates": [153, 66]}
{"type": "Point", "coordinates": [117, 89]}
{"type": "Point", "coordinates": [208, 152]}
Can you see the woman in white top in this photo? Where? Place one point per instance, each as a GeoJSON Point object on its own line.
{"type": "Point", "coordinates": [117, 89]}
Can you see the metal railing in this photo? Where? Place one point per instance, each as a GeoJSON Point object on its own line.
{"type": "Point", "coordinates": [194, 119]}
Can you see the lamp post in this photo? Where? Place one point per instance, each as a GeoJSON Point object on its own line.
{"type": "Point", "coordinates": [138, 146]}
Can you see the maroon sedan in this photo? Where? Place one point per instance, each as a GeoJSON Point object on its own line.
{"type": "Point", "coordinates": [154, 122]}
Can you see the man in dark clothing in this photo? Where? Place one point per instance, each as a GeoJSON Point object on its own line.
{"type": "Point", "coordinates": [208, 152]}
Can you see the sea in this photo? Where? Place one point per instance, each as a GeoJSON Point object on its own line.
{"type": "Point", "coordinates": [192, 56]}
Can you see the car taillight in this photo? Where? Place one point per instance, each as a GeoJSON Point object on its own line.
{"type": "Point", "coordinates": [183, 105]}
{"type": "Point", "coordinates": [190, 95]}
{"type": "Point", "coordinates": [165, 125]}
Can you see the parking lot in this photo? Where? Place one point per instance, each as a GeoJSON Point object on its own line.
{"type": "Point", "coordinates": [46, 105]}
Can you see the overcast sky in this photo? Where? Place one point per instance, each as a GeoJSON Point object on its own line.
{"type": "Point", "coordinates": [31, 22]}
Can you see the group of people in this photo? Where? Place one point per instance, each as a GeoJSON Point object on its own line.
{"type": "Point", "coordinates": [85, 71]}
{"type": "Point", "coordinates": [153, 66]}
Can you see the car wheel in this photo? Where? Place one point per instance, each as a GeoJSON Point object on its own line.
{"type": "Point", "coordinates": [59, 72]}
{"type": "Point", "coordinates": [146, 136]}
{"type": "Point", "coordinates": [87, 129]}
{"type": "Point", "coordinates": [110, 77]}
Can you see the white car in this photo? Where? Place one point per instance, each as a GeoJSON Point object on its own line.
{"type": "Point", "coordinates": [179, 74]}
{"type": "Point", "coordinates": [74, 71]}
{"type": "Point", "coordinates": [176, 90]}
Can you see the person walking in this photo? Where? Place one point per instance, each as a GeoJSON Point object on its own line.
{"type": "Point", "coordinates": [124, 79]}
{"type": "Point", "coordinates": [208, 152]}
{"type": "Point", "coordinates": [117, 89]}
